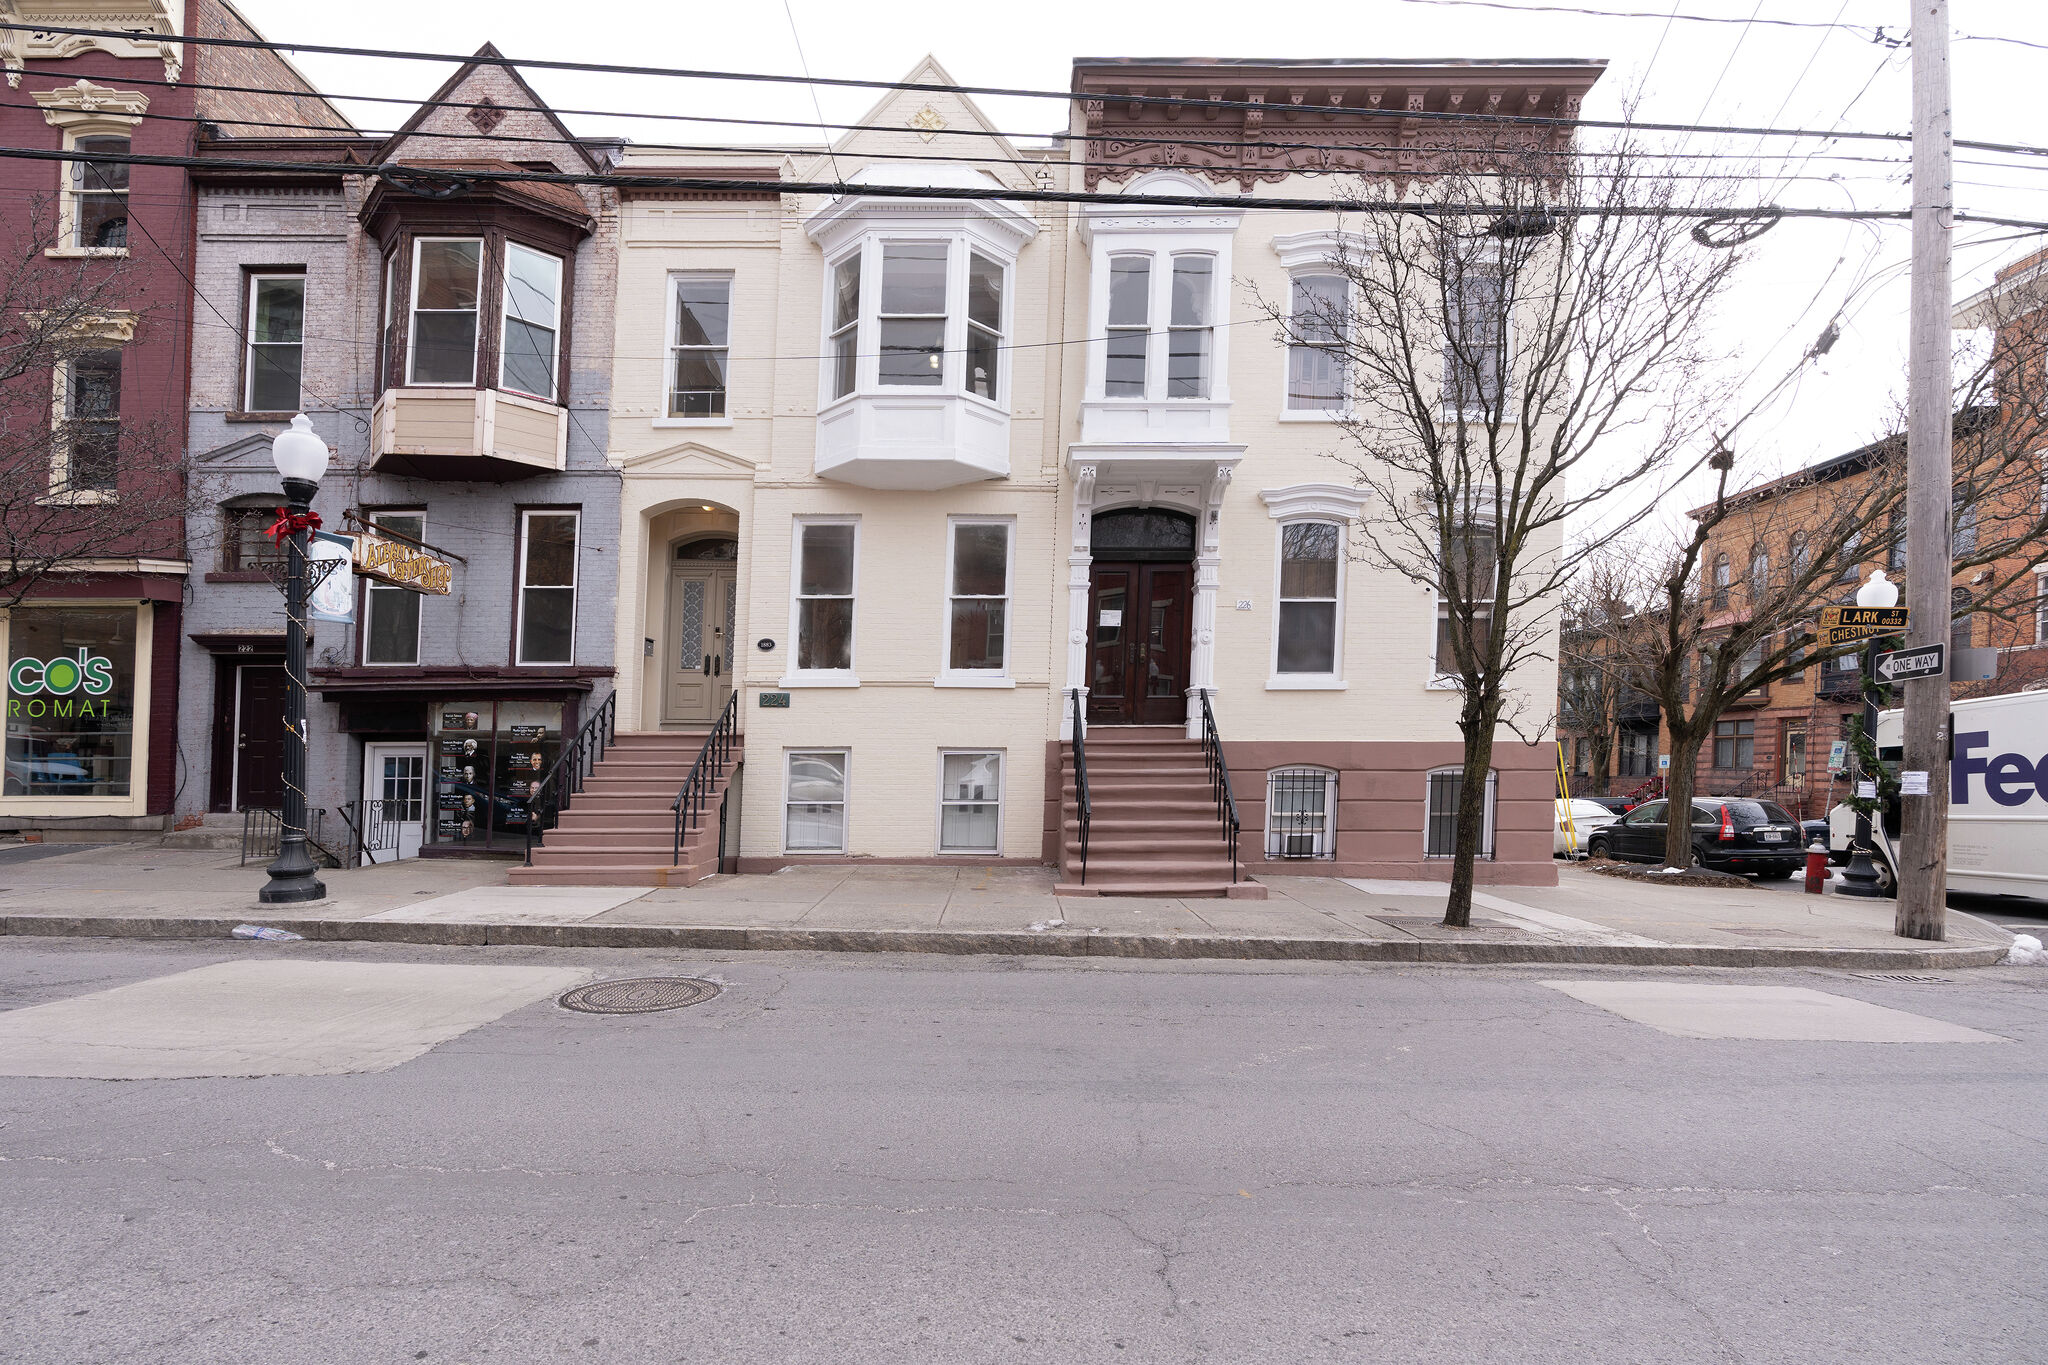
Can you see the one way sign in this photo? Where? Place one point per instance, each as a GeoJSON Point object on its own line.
{"type": "Point", "coordinates": [1921, 661]}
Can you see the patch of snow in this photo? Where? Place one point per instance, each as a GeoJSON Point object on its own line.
{"type": "Point", "coordinates": [2026, 951]}
{"type": "Point", "coordinates": [1042, 925]}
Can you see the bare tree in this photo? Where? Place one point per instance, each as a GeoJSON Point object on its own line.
{"type": "Point", "coordinates": [1593, 683]}
{"type": "Point", "coordinates": [1503, 371]}
{"type": "Point", "coordinates": [1729, 604]}
{"type": "Point", "coordinates": [80, 482]}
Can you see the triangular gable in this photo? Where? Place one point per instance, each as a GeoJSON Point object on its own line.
{"type": "Point", "coordinates": [691, 459]}
{"type": "Point", "coordinates": [958, 113]}
{"type": "Point", "coordinates": [244, 452]}
{"type": "Point", "coordinates": [429, 118]}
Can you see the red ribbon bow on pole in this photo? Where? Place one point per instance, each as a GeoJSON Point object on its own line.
{"type": "Point", "coordinates": [289, 522]}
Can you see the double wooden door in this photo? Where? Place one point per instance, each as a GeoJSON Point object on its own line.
{"type": "Point", "coordinates": [1138, 643]}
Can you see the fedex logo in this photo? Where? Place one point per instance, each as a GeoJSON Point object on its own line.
{"type": "Point", "coordinates": [2009, 779]}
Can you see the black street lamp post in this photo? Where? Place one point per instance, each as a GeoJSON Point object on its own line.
{"type": "Point", "coordinates": [301, 459]}
{"type": "Point", "coordinates": [1861, 877]}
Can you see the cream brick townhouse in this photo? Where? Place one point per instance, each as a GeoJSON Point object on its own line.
{"type": "Point", "coordinates": [909, 482]}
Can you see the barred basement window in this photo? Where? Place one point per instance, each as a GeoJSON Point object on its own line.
{"type": "Point", "coordinates": [1440, 833]}
{"type": "Point", "coordinates": [1299, 805]}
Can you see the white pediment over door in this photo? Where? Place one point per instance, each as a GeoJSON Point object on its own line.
{"type": "Point", "coordinates": [688, 460]}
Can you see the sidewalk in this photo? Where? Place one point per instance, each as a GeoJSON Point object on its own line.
{"type": "Point", "coordinates": [129, 891]}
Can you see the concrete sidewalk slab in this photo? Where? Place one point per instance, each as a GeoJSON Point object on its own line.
{"type": "Point", "coordinates": [274, 1017]}
{"type": "Point", "coordinates": [513, 905]}
{"type": "Point", "coordinates": [1690, 1009]}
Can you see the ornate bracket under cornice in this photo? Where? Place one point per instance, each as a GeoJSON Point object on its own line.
{"type": "Point", "coordinates": [82, 102]}
{"type": "Point", "coordinates": [153, 24]}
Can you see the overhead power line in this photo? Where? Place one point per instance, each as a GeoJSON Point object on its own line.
{"type": "Point", "coordinates": [1016, 92]}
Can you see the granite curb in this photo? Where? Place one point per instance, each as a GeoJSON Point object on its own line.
{"type": "Point", "coordinates": [1013, 943]}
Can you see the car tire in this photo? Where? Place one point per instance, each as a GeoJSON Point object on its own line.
{"type": "Point", "coordinates": [1596, 847]}
{"type": "Point", "coordinates": [1887, 880]}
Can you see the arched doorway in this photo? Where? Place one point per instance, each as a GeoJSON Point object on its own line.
{"type": "Point", "coordinates": [1140, 593]}
{"type": "Point", "coordinates": [703, 611]}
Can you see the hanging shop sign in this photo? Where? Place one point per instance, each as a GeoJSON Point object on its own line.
{"type": "Point", "coordinates": [402, 565]}
{"type": "Point", "coordinates": [333, 597]}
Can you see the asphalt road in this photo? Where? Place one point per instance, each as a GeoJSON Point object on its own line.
{"type": "Point", "coordinates": [943, 1159]}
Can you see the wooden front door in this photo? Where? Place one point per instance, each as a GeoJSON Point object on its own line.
{"type": "Point", "coordinates": [259, 737]}
{"type": "Point", "coordinates": [702, 603]}
{"type": "Point", "coordinates": [1138, 646]}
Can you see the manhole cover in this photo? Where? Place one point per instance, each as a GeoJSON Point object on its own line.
{"type": "Point", "coordinates": [1904, 976]}
{"type": "Point", "coordinates": [638, 995]}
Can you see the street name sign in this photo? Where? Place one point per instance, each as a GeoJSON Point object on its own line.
{"type": "Point", "coordinates": [1840, 625]}
{"type": "Point", "coordinates": [1921, 661]}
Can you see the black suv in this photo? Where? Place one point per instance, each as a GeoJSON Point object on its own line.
{"type": "Point", "coordinates": [1729, 834]}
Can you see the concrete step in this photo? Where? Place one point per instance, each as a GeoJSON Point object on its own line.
{"type": "Point", "coordinates": [1098, 885]}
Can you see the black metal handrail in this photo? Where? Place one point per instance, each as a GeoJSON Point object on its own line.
{"type": "Point", "coordinates": [1082, 810]}
{"type": "Point", "coordinates": [1219, 781]}
{"type": "Point", "coordinates": [724, 801]}
{"type": "Point", "coordinates": [705, 772]}
{"type": "Point", "coordinates": [578, 761]}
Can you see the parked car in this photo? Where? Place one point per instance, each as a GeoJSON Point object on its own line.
{"type": "Point", "coordinates": [1575, 821]}
{"type": "Point", "coordinates": [1729, 834]}
{"type": "Point", "coordinates": [1617, 805]}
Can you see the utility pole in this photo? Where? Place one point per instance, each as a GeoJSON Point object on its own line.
{"type": "Point", "coordinates": [1923, 845]}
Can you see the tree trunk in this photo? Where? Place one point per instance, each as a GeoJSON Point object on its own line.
{"type": "Point", "coordinates": [1477, 726]}
{"type": "Point", "coordinates": [1685, 757]}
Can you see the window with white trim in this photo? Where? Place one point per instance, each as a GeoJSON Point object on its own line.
{"type": "Point", "coordinates": [978, 597]}
{"type": "Point", "coordinates": [391, 614]}
{"type": "Point", "coordinates": [1469, 555]}
{"type": "Point", "coordinates": [2041, 608]}
{"type": "Point", "coordinates": [445, 282]}
{"type": "Point", "coordinates": [926, 312]}
{"type": "Point", "coordinates": [85, 458]}
{"type": "Point", "coordinates": [529, 346]}
{"type": "Point", "coordinates": [814, 801]}
{"type": "Point", "coordinates": [823, 602]}
{"type": "Point", "coordinates": [1130, 325]}
{"type": "Point", "coordinates": [700, 345]}
{"type": "Point", "coordinates": [1148, 289]}
{"type": "Point", "coordinates": [843, 343]}
{"type": "Point", "coordinates": [1319, 314]}
{"type": "Point", "coordinates": [1440, 832]}
{"type": "Point", "coordinates": [970, 802]}
{"type": "Point", "coordinates": [547, 587]}
{"type": "Point", "coordinates": [1475, 353]}
{"type": "Point", "coordinates": [275, 358]}
{"type": "Point", "coordinates": [912, 314]}
{"type": "Point", "coordinates": [1190, 327]}
{"type": "Point", "coordinates": [1301, 804]}
{"type": "Point", "coordinates": [1305, 634]}
{"type": "Point", "coordinates": [97, 193]}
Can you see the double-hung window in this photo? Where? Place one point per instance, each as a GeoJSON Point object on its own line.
{"type": "Point", "coordinates": [913, 314]}
{"type": "Point", "coordinates": [1130, 326]}
{"type": "Point", "coordinates": [533, 322]}
{"type": "Point", "coordinates": [978, 598]}
{"type": "Point", "coordinates": [445, 276]}
{"type": "Point", "coordinates": [814, 802]}
{"type": "Point", "coordinates": [1440, 828]}
{"type": "Point", "coordinates": [1190, 327]}
{"type": "Point", "coordinates": [547, 587]}
{"type": "Point", "coordinates": [984, 324]}
{"type": "Point", "coordinates": [1734, 744]}
{"type": "Point", "coordinates": [1468, 556]}
{"type": "Point", "coordinates": [98, 191]}
{"type": "Point", "coordinates": [700, 346]}
{"type": "Point", "coordinates": [391, 614]}
{"type": "Point", "coordinates": [824, 595]}
{"type": "Point", "coordinates": [970, 802]}
{"type": "Point", "coordinates": [1310, 555]}
{"type": "Point", "coordinates": [1318, 312]}
{"type": "Point", "coordinates": [844, 342]}
{"type": "Point", "coordinates": [1299, 805]}
{"type": "Point", "coordinates": [90, 439]}
{"type": "Point", "coordinates": [1475, 351]}
{"type": "Point", "coordinates": [277, 343]}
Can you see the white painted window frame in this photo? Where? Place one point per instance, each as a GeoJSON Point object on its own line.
{"type": "Point", "coordinates": [505, 320]}
{"type": "Point", "coordinates": [412, 308]}
{"type": "Point", "coordinates": [1487, 848]}
{"type": "Point", "coordinates": [1002, 759]}
{"type": "Point", "coordinates": [372, 589]}
{"type": "Point", "coordinates": [961, 243]}
{"type": "Point", "coordinates": [1332, 681]}
{"type": "Point", "coordinates": [1440, 681]}
{"type": "Point", "coordinates": [1288, 412]}
{"type": "Point", "coordinates": [1450, 411]}
{"type": "Point", "coordinates": [948, 676]}
{"type": "Point", "coordinates": [257, 279]}
{"type": "Point", "coordinates": [670, 349]}
{"type": "Point", "coordinates": [821, 677]}
{"type": "Point", "coordinates": [845, 757]}
{"type": "Point", "coordinates": [2041, 606]}
{"type": "Point", "coordinates": [575, 584]}
{"type": "Point", "coordinates": [1326, 838]}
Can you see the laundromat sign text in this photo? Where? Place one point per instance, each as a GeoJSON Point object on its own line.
{"type": "Point", "coordinates": [52, 687]}
{"type": "Point", "coordinates": [405, 566]}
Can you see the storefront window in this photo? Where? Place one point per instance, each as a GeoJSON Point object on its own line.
{"type": "Point", "coordinates": [488, 757]}
{"type": "Point", "coordinates": [70, 701]}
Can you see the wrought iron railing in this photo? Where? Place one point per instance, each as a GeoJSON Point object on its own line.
{"type": "Point", "coordinates": [705, 772]}
{"type": "Point", "coordinates": [263, 827]}
{"type": "Point", "coordinates": [725, 803]}
{"type": "Point", "coordinates": [1083, 812]}
{"type": "Point", "coordinates": [579, 760]}
{"type": "Point", "coordinates": [1219, 780]}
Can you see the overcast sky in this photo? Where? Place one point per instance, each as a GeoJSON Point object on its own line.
{"type": "Point", "coordinates": [1682, 71]}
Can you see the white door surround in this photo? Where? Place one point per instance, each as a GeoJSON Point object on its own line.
{"type": "Point", "coordinates": [1188, 477]}
{"type": "Point", "coordinates": [397, 773]}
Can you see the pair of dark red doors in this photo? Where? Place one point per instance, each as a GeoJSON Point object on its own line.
{"type": "Point", "coordinates": [1138, 643]}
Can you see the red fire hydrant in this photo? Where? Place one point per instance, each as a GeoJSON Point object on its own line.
{"type": "Point", "coordinates": [1816, 867]}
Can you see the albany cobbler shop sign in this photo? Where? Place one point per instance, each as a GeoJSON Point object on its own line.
{"type": "Point", "coordinates": [402, 564]}
{"type": "Point", "coordinates": [71, 701]}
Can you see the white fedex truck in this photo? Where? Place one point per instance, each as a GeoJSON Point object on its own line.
{"type": "Point", "coordinates": [1998, 797]}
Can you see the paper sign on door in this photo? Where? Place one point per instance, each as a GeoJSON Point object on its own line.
{"type": "Point", "coordinates": [1112, 618]}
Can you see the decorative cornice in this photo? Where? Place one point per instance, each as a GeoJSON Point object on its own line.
{"type": "Point", "coordinates": [83, 102]}
{"type": "Point", "coordinates": [151, 28]}
{"type": "Point", "coordinates": [1300, 250]}
{"type": "Point", "coordinates": [1338, 502]}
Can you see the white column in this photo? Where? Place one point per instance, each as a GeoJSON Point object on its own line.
{"type": "Point", "coordinates": [1202, 629]}
{"type": "Point", "coordinates": [1079, 563]}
